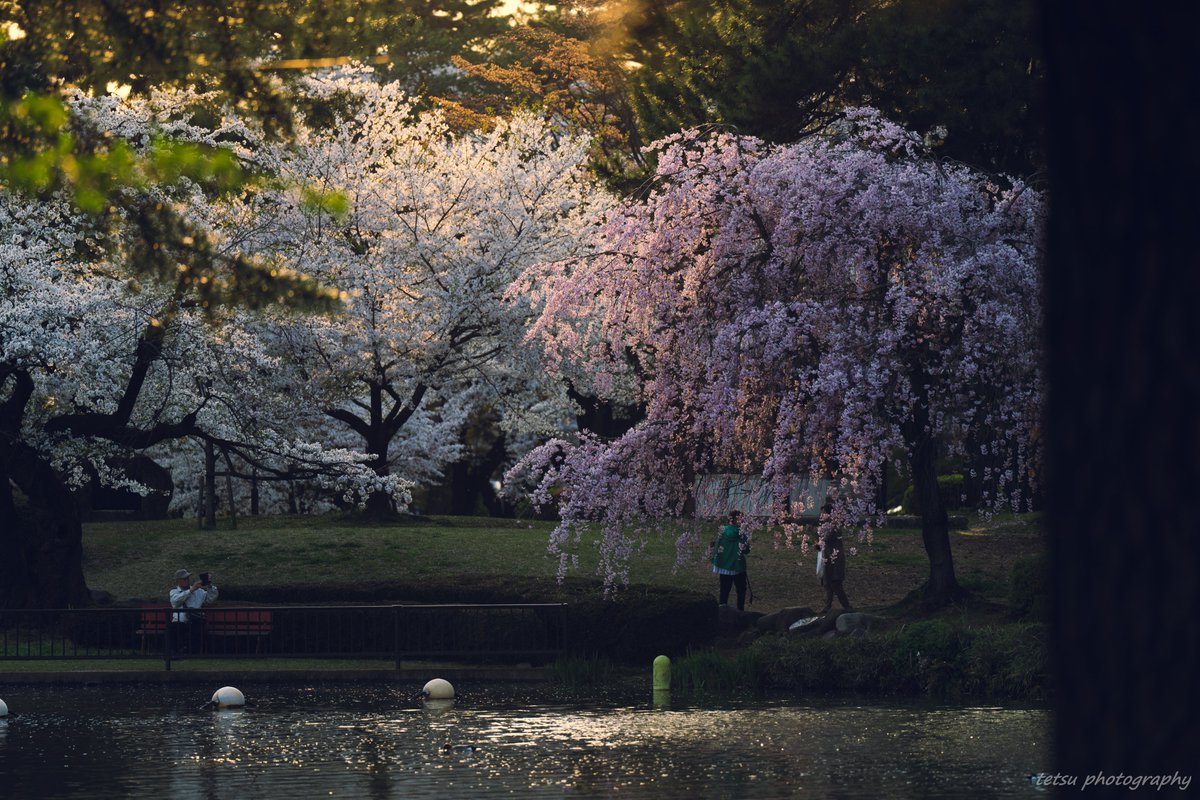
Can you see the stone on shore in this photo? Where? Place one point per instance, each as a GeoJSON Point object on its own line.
{"type": "Point", "coordinates": [781, 620]}
{"type": "Point", "coordinates": [731, 622]}
{"type": "Point", "coordinates": [854, 623]}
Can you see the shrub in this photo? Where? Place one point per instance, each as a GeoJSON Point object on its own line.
{"type": "Point", "coordinates": [1007, 661]}
{"type": "Point", "coordinates": [857, 663]}
{"type": "Point", "coordinates": [950, 487]}
{"type": "Point", "coordinates": [866, 664]}
{"type": "Point", "coordinates": [932, 657]}
{"type": "Point", "coordinates": [932, 639]}
{"type": "Point", "coordinates": [804, 665]}
{"type": "Point", "coordinates": [930, 654]}
{"type": "Point", "coordinates": [1027, 588]}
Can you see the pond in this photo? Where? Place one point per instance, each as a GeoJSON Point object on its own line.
{"type": "Point", "coordinates": [352, 740]}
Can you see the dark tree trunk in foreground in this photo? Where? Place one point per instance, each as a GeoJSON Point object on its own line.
{"type": "Point", "coordinates": [379, 505]}
{"type": "Point", "coordinates": [1123, 433]}
{"type": "Point", "coordinates": [41, 538]}
{"type": "Point", "coordinates": [41, 543]}
{"type": "Point", "coordinates": [600, 416]}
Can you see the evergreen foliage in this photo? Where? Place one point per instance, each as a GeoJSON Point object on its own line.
{"type": "Point", "coordinates": [777, 69]}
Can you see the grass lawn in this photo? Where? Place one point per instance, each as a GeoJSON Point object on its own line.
{"type": "Point", "coordinates": [137, 559]}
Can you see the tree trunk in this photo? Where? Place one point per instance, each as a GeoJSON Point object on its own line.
{"type": "Point", "coordinates": [41, 538]}
{"type": "Point", "coordinates": [254, 493]}
{"type": "Point", "coordinates": [471, 481]}
{"type": "Point", "coordinates": [210, 486]}
{"type": "Point", "coordinates": [41, 544]}
{"type": "Point", "coordinates": [379, 505]}
{"type": "Point", "coordinates": [229, 488]}
{"type": "Point", "coordinates": [942, 588]}
{"type": "Point", "coordinates": [1123, 433]}
{"type": "Point", "coordinates": [380, 425]}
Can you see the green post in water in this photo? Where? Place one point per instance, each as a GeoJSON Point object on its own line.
{"type": "Point", "coordinates": [662, 674]}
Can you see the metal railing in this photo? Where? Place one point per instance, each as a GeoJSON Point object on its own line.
{"type": "Point", "coordinates": [475, 633]}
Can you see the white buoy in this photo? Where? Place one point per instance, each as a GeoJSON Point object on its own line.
{"type": "Point", "coordinates": [438, 689]}
{"type": "Point", "coordinates": [3, 709]}
{"type": "Point", "coordinates": [228, 697]}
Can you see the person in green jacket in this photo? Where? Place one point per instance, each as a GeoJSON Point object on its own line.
{"type": "Point", "coordinates": [729, 560]}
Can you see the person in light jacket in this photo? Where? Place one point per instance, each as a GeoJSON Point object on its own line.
{"type": "Point", "coordinates": [833, 553]}
{"type": "Point", "coordinates": [188, 599]}
{"type": "Point", "coordinates": [729, 560]}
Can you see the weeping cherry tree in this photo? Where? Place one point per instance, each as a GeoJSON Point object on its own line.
{"type": "Point", "coordinates": [799, 311]}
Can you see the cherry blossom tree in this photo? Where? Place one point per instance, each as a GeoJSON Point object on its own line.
{"type": "Point", "coordinates": [95, 366]}
{"type": "Point", "coordinates": [437, 228]}
{"type": "Point", "coordinates": [799, 311]}
{"type": "Point", "coordinates": [92, 371]}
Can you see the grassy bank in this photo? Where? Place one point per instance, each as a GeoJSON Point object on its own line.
{"type": "Point", "coordinates": [935, 658]}
{"type": "Point", "coordinates": [990, 647]}
{"type": "Point", "coordinates": [137, 559]}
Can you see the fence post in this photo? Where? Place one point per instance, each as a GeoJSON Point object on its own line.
{"type": "Point", "coordinates": [396, 634]}
{"type": "Point", "coordinates": [564, 619]}
{"type": "Point", "coordinates": [168, 633]}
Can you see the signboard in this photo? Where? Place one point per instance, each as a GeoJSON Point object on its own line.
{"type": "Point", "coordinates": [717, 495]}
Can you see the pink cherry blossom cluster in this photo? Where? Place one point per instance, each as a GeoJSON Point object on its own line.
{"type": "Point", "coordinates": [816, 309]}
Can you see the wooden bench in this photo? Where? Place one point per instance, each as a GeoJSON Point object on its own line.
{"type": "Point", "coordinates": [236, 622]}
{"type": "Point", "coordinates": [232, 622]}
{"type": "Point", "coordinates": [152, 622]}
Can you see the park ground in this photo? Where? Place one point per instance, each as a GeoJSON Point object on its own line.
{"type": "Point", "coordinates": [983, 647]}
{"type": "Point", "coordinates": [136, 559]}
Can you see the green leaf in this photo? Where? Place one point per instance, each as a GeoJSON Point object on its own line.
{"type": "Point", "coordinates": [333, 203]}
{"type": "Point", "coordinates": [46, 112]}
{"type": "Point", "coordinates": [91, 201]}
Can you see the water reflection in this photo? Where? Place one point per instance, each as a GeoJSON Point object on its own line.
{"type": "Point", "coordinates": [361, 741]}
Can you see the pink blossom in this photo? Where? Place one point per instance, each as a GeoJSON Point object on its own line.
{"type": "Point", "coordinates": [804, 310]}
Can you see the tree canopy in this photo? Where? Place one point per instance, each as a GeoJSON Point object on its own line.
{"type": "Point", "coordinates": [775, 69]}
{"type": "Point", "coordinates": [800, 311]}
{"type": "Point", "coordinates": [191, 184]}
{"type": "Point", "coordinates": [437, 227]}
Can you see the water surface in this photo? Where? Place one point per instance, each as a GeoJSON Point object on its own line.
{"type": "Point", "coordinates": [376, 742]}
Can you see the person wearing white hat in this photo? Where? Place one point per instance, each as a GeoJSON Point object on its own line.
{"type": "Point", "coordinates": [188, 598]}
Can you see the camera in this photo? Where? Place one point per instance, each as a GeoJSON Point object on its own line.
{"type": "Point", "coordinates": [204, 579]}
